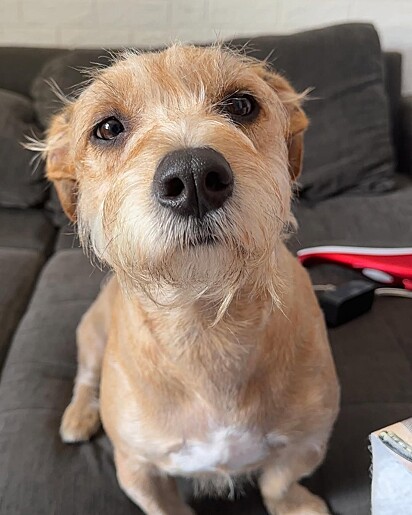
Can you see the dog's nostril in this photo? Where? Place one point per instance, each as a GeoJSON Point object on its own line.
{"type": "Point", "coordinates": [214, 182]}
{"type": "Point", "coordinates": [173, 187]}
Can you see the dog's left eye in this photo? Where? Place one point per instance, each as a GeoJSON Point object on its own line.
{"type": "Point", "coordinates": [108, 129]}
{"type": "Point", "coordinates": [240, 107]}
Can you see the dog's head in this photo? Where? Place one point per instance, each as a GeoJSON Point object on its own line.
{"type": "Point", "coordinates": [178, 167]}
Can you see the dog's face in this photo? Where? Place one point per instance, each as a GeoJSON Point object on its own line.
{"type": "Point", "coordinates": [178, 166]}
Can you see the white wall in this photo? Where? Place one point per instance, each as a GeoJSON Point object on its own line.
{"type": "Point", "coordinates": [108, 23]}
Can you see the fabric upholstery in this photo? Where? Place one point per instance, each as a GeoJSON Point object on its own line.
{"type": "Point", "coordinates": [26, 238]}
{"type": "Point", "coordinates": [373, 359]}
{"type": "Point", "coordinates": [66, 71]}
{"type": "Point", "coordinates": [21, 185]}
{"type": "Point", "coordinates": [393, 86]}
{"type": "Point", "coordinates": [67, 238]}
{"type": "Point", "coordinates": [26, 229]}
{"type": "Point", "coordinates": [20, 65]}
{"type": "Point", "coordinates": [18, 272]}
{"type": "Point", "coordinates": [383, 220]}
{"type": "Point", "coordinates": [405, 136]}
{"type": "Point", "coordinates": [348, 143]}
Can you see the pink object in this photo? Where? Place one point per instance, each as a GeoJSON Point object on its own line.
{"type": "Point", "coordinates": [384, 265]}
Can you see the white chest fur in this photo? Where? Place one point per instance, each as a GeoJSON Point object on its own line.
{"type": "Point", "coordinates": [226, 449]}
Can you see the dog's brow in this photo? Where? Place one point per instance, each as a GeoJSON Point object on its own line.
{"type": "Point", "coordinates": [106, 82]}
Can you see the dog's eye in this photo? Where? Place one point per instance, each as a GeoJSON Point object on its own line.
{"type": "Point", "coordinates": [240, 107]}
{"type": "Point", "coordinates": [108, 129]}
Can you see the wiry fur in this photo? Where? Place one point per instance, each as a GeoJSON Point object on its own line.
{"type": "Point", "coordinates": [203, 347]}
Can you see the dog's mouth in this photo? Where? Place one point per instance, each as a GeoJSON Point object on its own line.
{"type": "Point", "coordinates": [195, 233]}
{"type": "Point", "coordinates": [203, 240]}
{"type": "Point", "coordinates": [192, 233]}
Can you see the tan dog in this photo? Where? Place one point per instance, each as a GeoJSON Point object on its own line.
{"type": "Point", "coordinates": [207, 343]}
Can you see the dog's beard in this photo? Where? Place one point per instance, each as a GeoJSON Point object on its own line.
{"type": "Point", "coordinates": [176, 260]}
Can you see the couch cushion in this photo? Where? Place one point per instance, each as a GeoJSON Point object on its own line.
{"type": "Point", "coordinates": [67, 238]}
{"type": "Point", "coordinates": [21, 184]}
{"type": "Point", "coordinates": [65, 289]}
{"type": "Point", "coordinates": [18, 272]}
{"type": "Point", "coordinates": [372, 357]}
{"type": "Point", "coordinates": [20, 65]}
{"type": "Point", "coordinates": [26, 238]}
{"type": "Point", "coordinates": [378, 221]}
{"type": "Point", "coordinates": [347, 145]}
{"type": "Point", "coordinates": [66, 71]}
{"type": "Point", "coordinates": [26, 229]}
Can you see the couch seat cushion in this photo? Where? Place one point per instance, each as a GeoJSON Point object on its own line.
{"type": "Point", "coordinates": [373, 357]}
{"type": "Point", "coordinates": [26, 238]}
{"type": "Point", "coordinates": [21, 184]}
{"type": "Point", "coordinates": [18, 272]}
{"type": "Point", "coordinates": [378, 221]}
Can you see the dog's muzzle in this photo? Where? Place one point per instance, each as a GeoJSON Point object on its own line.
{"type": "Point", "coordinates": [192, 182]}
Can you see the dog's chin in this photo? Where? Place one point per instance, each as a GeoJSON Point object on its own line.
{"type": "Point", "coordinates": [201, 263]}
{"type": "Point", "coordinates": [207, 268]}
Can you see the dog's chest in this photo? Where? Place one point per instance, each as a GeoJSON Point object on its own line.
{"type": "Point", "coordinates": [225, 449]}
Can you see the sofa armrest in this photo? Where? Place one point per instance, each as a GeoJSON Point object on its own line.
{"type": "Point", "coordinates": [405, 135]}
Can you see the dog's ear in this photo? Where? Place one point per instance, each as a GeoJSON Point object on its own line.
{"type": "Point", "coordinates": [60, 167]}
{"type": "Point", "coordinates": [298, 121]}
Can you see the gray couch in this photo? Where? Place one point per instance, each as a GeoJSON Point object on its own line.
{"type": "Point", "coordinates": [356, 188]}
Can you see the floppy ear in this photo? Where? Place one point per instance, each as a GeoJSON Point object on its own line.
{"type": "Point", "coordinates": [60, 167]}
{"type": "Point", "coordinates": [298, 121]}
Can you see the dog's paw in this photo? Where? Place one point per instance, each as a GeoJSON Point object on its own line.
{"type": "Point", "coordinates": [298, 501]}
{"type": "Point", "coordinates": [80, 422]}
{"type": "Point", "coordinates": [309, 509]}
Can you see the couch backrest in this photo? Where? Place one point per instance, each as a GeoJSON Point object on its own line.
{"type": "Point", "coordinates": [20, 65]}
{"type": "Point", "coordinates": [393, 85]}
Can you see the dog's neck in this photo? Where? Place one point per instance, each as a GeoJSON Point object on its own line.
{"type": "Point", "coordinates": [185, 352]}
{"type": "Point", "coordinates": [196, 333]}
{"type": "Point", "coordinates": [213, 355]}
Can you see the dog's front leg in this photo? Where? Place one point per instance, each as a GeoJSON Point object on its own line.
{"type": "Point", "coordinates": [281, 492]}
{"type": "Point", "coordinates": [297, 500]}
{"type": "Point", "coordinates": [154, 493]}
{"type": "Point", "coordinates": [81, 418]}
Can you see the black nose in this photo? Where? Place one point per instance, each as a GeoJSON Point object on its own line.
{"type": "Point", "coordinates": [193, 181]}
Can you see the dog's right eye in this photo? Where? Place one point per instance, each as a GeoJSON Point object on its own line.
{"type": "Point", "coordinates": [240, 107]}
{"type": "Point", "coordinates": [108, 129]}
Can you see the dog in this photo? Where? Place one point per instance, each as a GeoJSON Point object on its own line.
{"type": "Point", "coordinates": [205, 355]}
